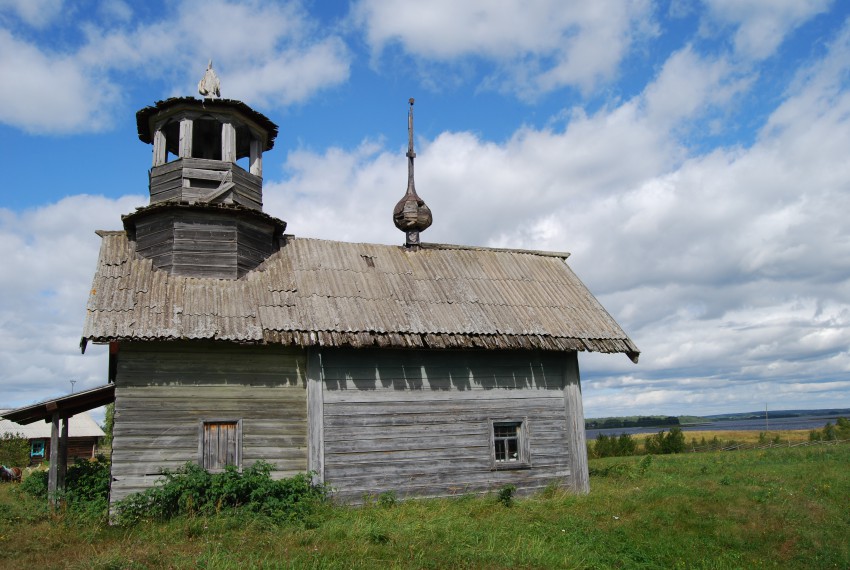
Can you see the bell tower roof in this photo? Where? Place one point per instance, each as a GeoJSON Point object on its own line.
{"type": "Point", "coordinates": [148, 117]}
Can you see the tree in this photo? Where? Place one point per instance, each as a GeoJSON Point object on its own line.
{"type": "Point", "coordinates": [14, 450]}
{"type": "Point", "coordinates": [108, 424]}
{"type": "Point", "coordinates": [670, 442]}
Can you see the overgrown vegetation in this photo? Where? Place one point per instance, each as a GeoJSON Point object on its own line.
{"type": "Point", "coordinates": [108, 424]}
{"type": "Point", "coordinates": [86, 487]}
{"type": "Point", "coordinates": [663, 443]}
{"type": "Point", "coordinates": [194, 491]}
{"type": "Point", "coordinates": [674, 441]}
{"type": "Point", "coordinates": [830, 432]}
{"type": "Point", "coordinates": [614, 446]}
{"type": "Point", "coordinates": [14, 450]}
{"type": "Point", "coordinates": [774, 508]}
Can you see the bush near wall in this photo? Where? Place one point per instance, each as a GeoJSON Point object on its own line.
{"type": "Point", "coordinates": [14, 450]}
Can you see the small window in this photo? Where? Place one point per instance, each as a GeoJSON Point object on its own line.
{"type": "Point", "coordinates": [37, 448]}
{"type": "Point", "coordinates": [509, 448]}
{"type": "Point", "coordinates": [220, 444]}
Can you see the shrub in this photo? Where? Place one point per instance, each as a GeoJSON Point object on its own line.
{"type": "Point", "coordinates": [387, 499]}
{"type": "Point", "coordinates": [506, 495]}
{"type": "Point", "coordinates": [192, 490]}
{"type": "Point", "coordinates": [14, 450]}
{"type": "Point", "coordinates": [664, 443]}
{"type": "Point", "coordinates": [613, 446]}
{"type": "Point", "coordinates": [86, 486]}
{"type": "Point", "coordinates": [35, 484]}
{"type": "Point", "coordinates": [843, 427]}
{"type": "Point", "coordinates": [830, 432]}
{"type": "Point", "coordinates": [626, 445]}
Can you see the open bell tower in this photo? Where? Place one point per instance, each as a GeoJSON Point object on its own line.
{"type": "Point", "coordinates": [205, 217]}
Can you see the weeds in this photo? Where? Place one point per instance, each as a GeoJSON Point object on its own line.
{"type": "Point", "coordinates": [506, 495]}
{"type": "Point", "coordinates": [192, 490]}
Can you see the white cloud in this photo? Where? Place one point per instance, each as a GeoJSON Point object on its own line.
{"type": "Point", "coordinates": [762, 25]}
{"type": "Point", "coordinates": [267, 54]}
{"type": "Point", "coordinates": [36, 13]}
{"type": "Point", "coordinates": [690, 84]}
{"type": "Point", "coordinates": [538, 46]}
{"type": "Point", "coordinates": [49, 256]}
{"type": "Point", "coordinates": [46, 92]}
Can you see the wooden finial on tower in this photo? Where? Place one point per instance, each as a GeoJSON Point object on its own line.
{"type": "Point", "coordinates": [209, 86]}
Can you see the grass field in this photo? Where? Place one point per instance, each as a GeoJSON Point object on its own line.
{"type": "Point", "coordinates": [774, 508]}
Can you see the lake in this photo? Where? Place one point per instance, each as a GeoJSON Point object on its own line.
{"type": "Point", "coordinates": [778, 424]}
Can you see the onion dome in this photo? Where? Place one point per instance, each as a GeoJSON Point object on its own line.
{"type": "Point", "coordinates": [411, 215]}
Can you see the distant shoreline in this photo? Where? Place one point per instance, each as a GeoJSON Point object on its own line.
{"type": "Point", "coordinates": [781, 420]}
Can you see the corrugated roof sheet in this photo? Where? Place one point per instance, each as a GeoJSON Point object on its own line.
{"type": "Point", "coordinates": [330, 293]}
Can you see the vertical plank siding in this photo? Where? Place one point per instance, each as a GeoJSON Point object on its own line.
{"type": "Point", "coordinates": [164, 391]}
{"type": "Point", "coordinates": [419, 422]}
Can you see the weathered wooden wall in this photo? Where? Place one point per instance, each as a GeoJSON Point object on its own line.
{"type": "Point", "coordinates": [193, 179]}
{"type": "Point", "coordinates": [164, 390]}
{"type": "Point", "coordinates": [203, 244]}
{"type": "Point", "coordinates": [418, 422]}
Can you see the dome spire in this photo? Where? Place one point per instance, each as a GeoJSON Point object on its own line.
{"type": "Point", "coordinates": [410, 214]}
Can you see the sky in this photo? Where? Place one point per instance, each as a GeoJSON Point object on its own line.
{"type": "Point", "coordinates": [692, 156]}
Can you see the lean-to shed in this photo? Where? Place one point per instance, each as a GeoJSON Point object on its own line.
{"type": "Point", "coordinates": [83, 437]}
{"type": "Point", "coordinates": [424, 369]}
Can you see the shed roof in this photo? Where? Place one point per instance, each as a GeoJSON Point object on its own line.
{"type": "Point", "coordinates": [327, 293]}
{"type": "Point", "coordinates": [80, 425]}
{"type": "Point", "coordinates": [66, 406]}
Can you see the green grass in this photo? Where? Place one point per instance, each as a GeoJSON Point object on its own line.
{"type": "Point", "coordinates": [776, 508]}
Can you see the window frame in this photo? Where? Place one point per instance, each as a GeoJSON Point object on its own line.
{"type": "Point", "coordinates": [33, 444]}
{"type": "Point", "coordinates": [523, 444]}
{"type": "Point", "coordinates": [202, 456]}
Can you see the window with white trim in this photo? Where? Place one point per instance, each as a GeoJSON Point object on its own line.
{"type": "Point", "coordinates": [220, 444]}
{"type": "Point", "coordinates": [509, 447]}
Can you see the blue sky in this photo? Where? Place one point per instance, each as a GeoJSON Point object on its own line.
{"type": "Point", "coordinates": [691, 155]}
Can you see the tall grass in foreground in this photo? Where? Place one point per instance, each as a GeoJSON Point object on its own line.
{"type": "Point", "coordinates": [775, 508]}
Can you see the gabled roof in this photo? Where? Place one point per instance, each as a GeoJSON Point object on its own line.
{"type": "Point", "coordinates": [328, 293]}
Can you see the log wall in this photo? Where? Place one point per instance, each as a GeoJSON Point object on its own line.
{"type": "Point", "coordinates": [418, 423]}
{"type": "Point", "coordinates": [203, 244]}
{"type": "Point", "coordinates": [163, 391]}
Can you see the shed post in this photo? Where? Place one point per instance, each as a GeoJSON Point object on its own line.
{"type": "Point", "coordinates": [63, 458]}
{"type": "Point", "coordinates": [54, 459]}
{"type": "Point", "coordinates": [576, 439]}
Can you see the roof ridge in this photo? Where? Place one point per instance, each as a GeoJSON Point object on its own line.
{"type": "Point", "coordinates": [449, 246]}
{"type": "Point", "coordinates": [561, 254]}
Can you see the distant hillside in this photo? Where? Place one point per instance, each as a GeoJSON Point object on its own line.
{"type": "Point", "coordinates": [667, 421]}
{"type": "Point", "coordinates": [780, 414]}
{"type": "Point", "coordinates": [631, 421]}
